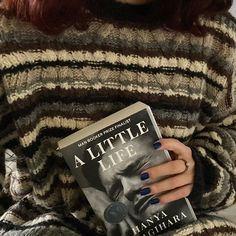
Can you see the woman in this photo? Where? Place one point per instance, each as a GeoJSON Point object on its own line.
{"type": "Point", "coordinates": [65, 64]}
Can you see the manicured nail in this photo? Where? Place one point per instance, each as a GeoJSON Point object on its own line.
{"type": "Point", "coordinates": [157, 145]}
{"type": "Point", "coordinates": [145, 191]}
{"type": "Point", "coordinates": [154, 201]}
{"type": "Point", "coordinates": [144, 176]}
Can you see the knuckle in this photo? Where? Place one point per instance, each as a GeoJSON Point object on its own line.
{"type": "Point", "coordinates": [186, 191]}
{"type": "Point", "coordinates": [173, 182]}
{"type": "Point", "coordinates": [161, 187]}
{"type": "Point", "coordinates": [189, 150]}
{"type": "Point", "coordinates": [173, 140]}
{"type": "Point", "coordinates": [168, 141]}
{"type": "Point", "coordinates": [152, 172]}
{"type": "Point", "coordinates": [154, 188]}
{"type": "Point", "coordinates": [179, 182]}
{"type": "Point", "coordinates": [176, 167]}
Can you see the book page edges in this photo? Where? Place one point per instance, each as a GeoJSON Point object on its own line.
{"type": "Point", "coordinates": [157, 130]}
{"type": "Point", "coordinates": [105, 122]}
{"type": "Point", "coordinates": [190, 208]}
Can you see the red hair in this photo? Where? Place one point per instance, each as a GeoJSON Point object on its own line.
{"type": "Point", "coordinates": [54, 16]}
{"type": "Point", "coordinates": [50, 16]}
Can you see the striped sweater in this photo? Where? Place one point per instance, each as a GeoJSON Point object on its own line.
{"type": "Point", "coordinates": [52, 86]}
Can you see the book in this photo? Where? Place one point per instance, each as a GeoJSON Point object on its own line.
{"type": "Point", "coordinates": [107, 158]}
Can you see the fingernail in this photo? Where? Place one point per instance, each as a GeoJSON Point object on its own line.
{"type": "Point", "coordinates": [145, 191]}
{"type": "Point", "coordinates": [144, 176]}
{"type": "Point", "coordinates": [154, 201]}
{"type": "Point", "coordinates": [157, 145]}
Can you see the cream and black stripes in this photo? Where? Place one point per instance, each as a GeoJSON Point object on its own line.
{"type": "Point", "coordinates": [51, 86]}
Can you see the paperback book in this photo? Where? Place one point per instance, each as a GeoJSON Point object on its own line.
{"type": "Point", "coordinates": [107, 159]}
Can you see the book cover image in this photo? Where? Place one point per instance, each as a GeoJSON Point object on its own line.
{"type": "Point", "coordinates": [107, 161]}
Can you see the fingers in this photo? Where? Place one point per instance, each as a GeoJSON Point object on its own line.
{"type": "Point", "coordinates": [179, 173]}
{"type": "Point", "coordinates": [168, 184]}
{"type": "Point", "coordinates": [175, 146]}
{"type": "Point", "coordinates": [168, 190]}
{"type": "Point", "coordinates": [173, 167]}
{"type": "Point", "coordinates": [175, 194]}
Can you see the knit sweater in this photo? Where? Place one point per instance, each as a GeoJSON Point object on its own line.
{"type": "Point", "coordinates": [52, 86]}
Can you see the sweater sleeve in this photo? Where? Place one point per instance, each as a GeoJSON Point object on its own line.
{"type": "Point", "coordinates": [8, 139]}
{"type": "Point", "coordinates": [214, 147]}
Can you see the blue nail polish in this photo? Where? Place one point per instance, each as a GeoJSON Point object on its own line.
{"type": "Point", "coordinates": [144, 176]}
{"type": "Point", "coordinates": [145, 191]}
{"type": "Point", "coordinates": [154, 201]}
{"type": "Point", "coordinates": [157, 145]}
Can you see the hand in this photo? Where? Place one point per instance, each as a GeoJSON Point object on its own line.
{"type": "Point", "coordinates": [179, 174]}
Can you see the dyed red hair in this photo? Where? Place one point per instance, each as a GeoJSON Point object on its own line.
{"type": "Point", "coordinates": [50, 16]}
{"type": "Point", "coordinates": [54, 16]}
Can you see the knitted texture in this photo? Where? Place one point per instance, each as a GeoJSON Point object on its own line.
{"type": "Point", "coordinates": [51, 87]}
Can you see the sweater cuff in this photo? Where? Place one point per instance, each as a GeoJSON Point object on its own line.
{"type": "Point", "coordinates": [199, 180]}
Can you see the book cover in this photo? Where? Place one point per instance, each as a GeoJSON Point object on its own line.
{"type": "Point", "coordinates": [107, 158]}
